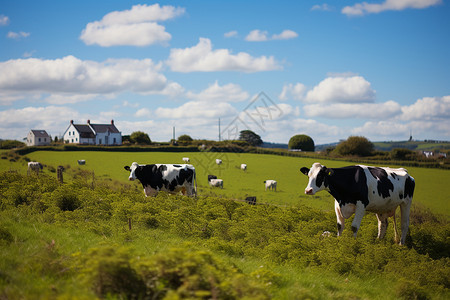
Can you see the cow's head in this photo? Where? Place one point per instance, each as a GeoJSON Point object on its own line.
{"type": "Point", "coordinates": [317, 178]}
{"type": "Point", "coordinates": [132, 170]}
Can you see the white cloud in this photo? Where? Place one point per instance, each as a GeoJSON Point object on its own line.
{"type": "Point", "coordinates": [76, 78]}
{"type": "Point", "coordinates": [428, 108]}
{"type": "Point", "coordinates": [285, 35]}
{"type": "Point", "coordinates": [18, 35]}
{"type": "Point", "coordinates": [323, 7]}
{"type": "Point", "coordinates": [385, 110]}
{"type": "Point", "coordinates": [364, 8]}
{"type": "Point", "coordinates": [342, 90]}
{"type": "Point", "coordinates": [256, 36]}
{"type": "Point", "coordinates": [196, 109]}
{"type": "Point", "coordinates": [216, 93]}
{"type": "Point", "coordinates": [4, 20]}
{"type": "Point", "coordinates": [262, 36]}
{"type": "Point", "coordinates": [290, 90]}
{"type": "Point", "coordinates": [134, 27]}
{"type": "Point", "coordinates": [143, 112]}
{"type": "Point", "coordinates": [230, 34]}
{"type": "Point", "coordinates": [15, 123]}
{"type": "Point", "coordinates": [202, 58]}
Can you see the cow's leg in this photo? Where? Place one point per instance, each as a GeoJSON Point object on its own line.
{"type": "Point", "coordinates": [359, 214]}
{"type": "Point", "coordinates": [404, 209]}
{"type": "Point", "coordinates": [339, 217]}
{"type": "Point", "coordinates": [382, 224]}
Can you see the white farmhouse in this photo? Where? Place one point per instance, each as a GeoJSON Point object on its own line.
{"type": "Point", "coordinates": [38, 138]}
{"type": "Point", "coordinates": [93, 134]}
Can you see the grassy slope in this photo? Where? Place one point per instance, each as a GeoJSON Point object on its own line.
{"type": "Point", "coordinates": [431, 189]}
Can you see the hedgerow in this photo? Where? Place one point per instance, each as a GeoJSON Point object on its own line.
{"type": "Point", "coordinates": [281, 235]}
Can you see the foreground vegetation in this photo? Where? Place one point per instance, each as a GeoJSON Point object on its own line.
{"type": "Point", "coordinates": [104, 239]}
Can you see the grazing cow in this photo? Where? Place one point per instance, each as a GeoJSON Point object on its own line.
{"type": "Point", "coordinates": [216, 183]}
{"type": "Point", "coordinates": [251, 200]}
{"type": "Point", "coordinates": [186, 160]}
{"type": "Point", "coordinates": [271, 184]}
{"type": "Point", "coordinates": [164, 177]}
{"type": "Point", "coordinates": [81, 162]}
{"type": "Point", "coordinates": [243, 167]}
{"type": "Point", "coordinates": [357, 189]}
{"type": "Point", "coordinates": [218, 161]}
{"type": "Point", "coordinates": [34, 166]}
{"type": "Point", "coordinates": [211, 177]}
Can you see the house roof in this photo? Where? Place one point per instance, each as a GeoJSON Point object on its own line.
{"type": "Point", "coordinates": [104, 128]}
{"type": "Point", "coordinates": [85, 131]}
{"type": "Point", "coordinates": [39, 133]}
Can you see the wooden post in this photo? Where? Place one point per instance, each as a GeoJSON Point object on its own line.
{"type": "Point", "coordinates": [59, 173]}
{"type": "Point", "coordinates": [129, 223]}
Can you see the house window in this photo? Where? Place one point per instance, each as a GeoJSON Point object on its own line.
{"type": "Point", "coordinates": [39, 139]}
{"type": "Point", "coordinates": [114, 140]}
{"type": "Point", "coordinates": [100, 141]}
{"type": "Point", "coordinates": [69, 133]}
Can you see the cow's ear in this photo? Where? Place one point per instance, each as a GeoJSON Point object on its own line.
{"type": "Point", "coordinates": [127, 168]}
{"type": "Point", "coordinates": [304, 170]}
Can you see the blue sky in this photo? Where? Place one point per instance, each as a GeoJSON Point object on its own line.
{"type": "Point", "coordinates": [328, 69]}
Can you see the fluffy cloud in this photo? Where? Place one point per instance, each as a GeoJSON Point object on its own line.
{"type": "Point", "coordinates": [4, 20]}
{"type": "Point", "coordinates": [70, 75]}
{"type": "Point", "coordinates": [360, 9]}
{"type": "Point", "coordinates": [134, 27]}
{"type": "Point", "coordinates": [385, 110]}
{"type": "Point", "coordinates": [342, 90]}
{"type": "Point", "coordinates": [16, 123]}
{"type": "Point", "coordinates": [202, 58]}
{"type": "Point", "coordinates": [216, 93]}
{"type": "Point", "coordinates": [196, 109]}
{"type": "Point", "coordinates": [229, 34]}
{"type": "Point", "coordinates": [262, 36]}
{"type": "Point", "coordinates": [428, 108]}
{"type": "Point", "coordinates": [290, 90]}
{"type": "Point", "coordinates": [323, 7]}
{"type": "Point", "coordinates": [17, 35]}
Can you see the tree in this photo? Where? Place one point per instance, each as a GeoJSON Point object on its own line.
{"type": "Point", "coordinates": [184, 139]}
{"type": "Point", "coordinates": [250, 137]}
{"type": "Point", "coordinates": [301, 142]}
{"type": "Point", "coordinates": [355, 145]}
{"type": "Point", "coordinates": [139, 137]}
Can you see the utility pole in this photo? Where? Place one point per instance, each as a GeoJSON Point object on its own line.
{"type": "Point", "coordinates": [219, 131]}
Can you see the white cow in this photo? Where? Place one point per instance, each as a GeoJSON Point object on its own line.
{"type": "Point", "coordinates": [34, 166]}
{"type": "Point", "coordinates": [218, 161]}
{"type": "Point", "coordinates": [216, 183]}
{"type": "Point", "coordinates": [243, 167]}
{"type": "Point", "coordinates": [186, 159]}
{"type": "Point", "coordinates": [271, 184]}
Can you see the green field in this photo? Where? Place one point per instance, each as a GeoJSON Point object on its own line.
{"type": "Point", "coordinates": [98, 237]}
{"type": "Point", "coordinates": [431, 188]}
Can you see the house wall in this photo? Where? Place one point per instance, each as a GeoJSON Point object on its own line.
{"type": "Point", "coordinates": [71, 135]}
{"type": "Point", "coordinates": [108, 138]}
{"type": "Point", "coordinates": [32, 140]}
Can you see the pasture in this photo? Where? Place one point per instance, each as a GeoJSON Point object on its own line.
{"type": "Point", "coordinates": [97, 236]}
{"type": "Point", "coordinates": [431, 190]}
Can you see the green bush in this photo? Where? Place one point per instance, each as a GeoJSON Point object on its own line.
{"type": "Point", "coordinates": [302, 142]}
{"type": "Point", "coordinates": [355, 146]}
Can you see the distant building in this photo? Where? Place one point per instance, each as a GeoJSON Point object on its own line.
{"type": "Point", "coordinates": [93, 134]}
{"type": "Point", "coordinates": [38, 138]}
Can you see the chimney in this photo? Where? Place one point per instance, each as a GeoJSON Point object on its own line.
{"type": "Point", "coordinates": [89, 122]}
{"type": "Point", "coordinates": [71, 121]}
{"type": "Point", "coordinates": [112, 122]}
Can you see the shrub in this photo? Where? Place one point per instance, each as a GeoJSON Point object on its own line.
{"type": "Point", "coordinates": [184, 139]}
{"type": "Point", "coordinates": [355, 145]}
{"type": "Point", "coordinates": [139, 137]}
{"type": "Point", "coordinates": [301, 142]}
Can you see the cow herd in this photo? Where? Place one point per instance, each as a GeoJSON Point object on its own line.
{"type": "Point", "coordinates": [355, 189]}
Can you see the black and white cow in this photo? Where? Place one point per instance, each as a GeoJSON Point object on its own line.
{"type": "Point", "coordinates": [34, 166]}
{"type": "Point", "coordinates": [164, 177]}
{"type": "Point", "coordinates": [357, 189]}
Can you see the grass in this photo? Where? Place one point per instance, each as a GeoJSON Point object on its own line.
{"type": "Point", "coordinates": [431, 190]}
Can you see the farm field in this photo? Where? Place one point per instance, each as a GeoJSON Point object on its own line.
{"type": "Point", "coordinates": [98, 236]}
{"type": "Point", "coordinates": [430, 188]}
